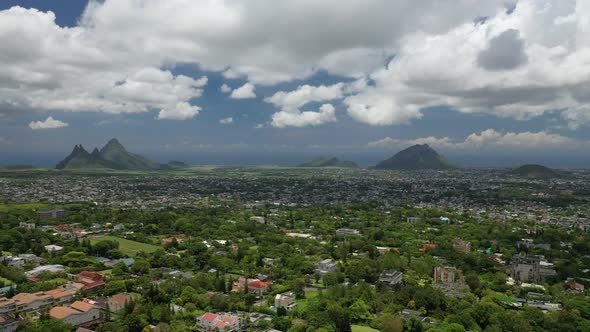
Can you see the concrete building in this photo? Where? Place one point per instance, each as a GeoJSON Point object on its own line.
{"type": "Point", "coordinates": [285, 300]}
{"type": "Point", "coordinates": [391, 277]}
{"type": "Point", "coordinates": [534, 268]}
{"type": "Point", "coordinates": [347, 232]}
{"type": "Point", "coordinates": [55, 268]}
{"type": "Point", "coordinates": [29, 224]}
{"type": "Point", "coordinates": [12, 261]}
{"type": "Point", "coordinates": [413, 220]}
{"type": "Point", "coordinates": [447, 274]}
{"type": "Point", "coordinates": [51, 214]}
{"type": "Point", "coordinates": [53, 248]}
{"type": "Point", "coordinates": [542, 305]}
{"type": "Point", "coordinates": [326, 266]}
{"type": "Point", "coordinates": [461, 246]}
{"type": "Point", "coordinates": [31, 259]}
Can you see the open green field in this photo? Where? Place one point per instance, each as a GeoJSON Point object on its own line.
{"type": "Point", "coordinates": [360, 328]}
{"type": "Point", "coordinates": [302, 303]}
{"type": "Point", "coordinates": [128, 247]}
{"type": "Point", "coordinates": [14, 207]}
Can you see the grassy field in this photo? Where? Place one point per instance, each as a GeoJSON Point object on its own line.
{"type": "Point", "coordinates": [128, 247]}
{"type": "Point", "coordinates": [302, 303]}
{"type": "Point", "coordinates": [27, 206]}
{"type": "Point", "coordinates": [360, 328]}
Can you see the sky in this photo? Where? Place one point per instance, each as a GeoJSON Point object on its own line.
{"type": "Point", "coordinates": [486, 83]}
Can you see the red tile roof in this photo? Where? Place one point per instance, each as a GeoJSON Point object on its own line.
{"type": "Point", "coordinates": [209, 317]}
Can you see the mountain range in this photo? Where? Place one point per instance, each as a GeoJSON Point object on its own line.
{"type": "Point", "coordinates": [420, 156]}
{"type": "Point", "coordinates": [112, 156]}
{"type": "Point", "coordinates": [417, 157]}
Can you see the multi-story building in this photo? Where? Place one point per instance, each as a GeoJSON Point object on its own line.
{"type": "Point", "coordinates": [51, 214]}
{"type": "Point", "coordinates": [285, 300]}
{"type": "Point", "coordinates": [29, 224]}
{"type": "Point", "coordinates": [391, 277]}
{"type": "Point", "coordinates": [462, 246]}
{"type": "Point", "coordinates": [326, 266]}
{"type": "Point", "coordinates": [534, 268]}
{"type": "Point", "coordinates": [447, 274]}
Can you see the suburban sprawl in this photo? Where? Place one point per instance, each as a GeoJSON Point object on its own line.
{"type": "Point", "coordinates": [294, 249]}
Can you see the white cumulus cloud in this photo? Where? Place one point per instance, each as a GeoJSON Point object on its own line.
{"type": "Point", "coordinates": [515, 64]}
{"type": "Point", "coordinates": [291, 102]}
{"type": "Point", "coordinates": [298, 118]}
{"type": "Point", "coordinates": [519, 64]}
{"type": "Point", "coordinates": [49, 123]}
{"type": "Point", "coordinates": [181, 111]}
{"type": "Point", "coordinates": [489, 139]}
{"type": "Point", "coordinates": [246, 91]}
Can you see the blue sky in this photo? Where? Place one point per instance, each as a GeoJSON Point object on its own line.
{"type": "Point", "coordinates": [328, 79]}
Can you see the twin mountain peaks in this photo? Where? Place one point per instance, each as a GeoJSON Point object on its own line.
{"type": "Point", "coordinates": [114, 156]}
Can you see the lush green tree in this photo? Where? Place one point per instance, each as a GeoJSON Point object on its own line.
{"type": "Point", "coordinates": [140, 266]}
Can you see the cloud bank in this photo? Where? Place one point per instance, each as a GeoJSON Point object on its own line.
{"type": "Point", "coordinates": [489, 139]}
{"type": "Point", "coordinates": [471, 56]}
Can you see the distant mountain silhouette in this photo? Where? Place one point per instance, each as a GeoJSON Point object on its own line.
{"type": "Point", "coordinates": [416, 157]}
{"type": "Point", "coordinates": [113, 155]}
{"type": "Point", "coordinates": [533, 171]}
{"type": "Point", "coordinates": [116, 153]}
{"type": "Point", "coordinates": [328, 162]}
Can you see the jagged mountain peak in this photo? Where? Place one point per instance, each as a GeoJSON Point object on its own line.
{"type": "Point", "coordinates": [112, 155]}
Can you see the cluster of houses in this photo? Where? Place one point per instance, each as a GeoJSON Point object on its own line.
{"type": "Point", "coordinates": [62, 303]}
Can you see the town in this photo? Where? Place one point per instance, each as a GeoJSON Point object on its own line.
{"type": "Point", "coordinates": [262, 249]}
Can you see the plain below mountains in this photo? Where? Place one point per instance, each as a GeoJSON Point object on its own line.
{"type": "Point", "coordinates": [417, 157]}
{"type": "Point", "coordinates": [112, 156]}
{"type": "Point", "coordinates": [328, 162]}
